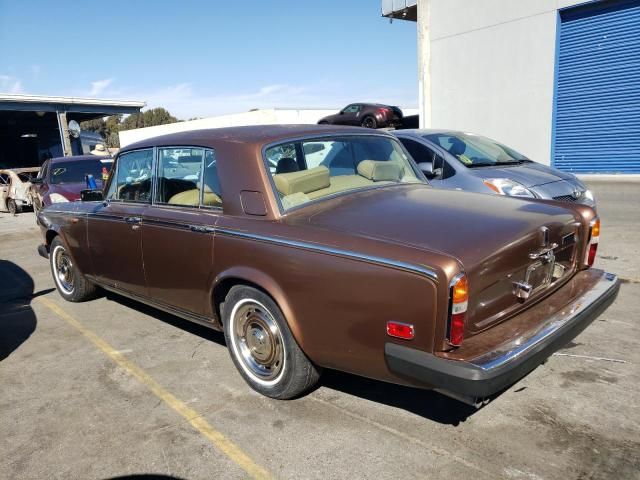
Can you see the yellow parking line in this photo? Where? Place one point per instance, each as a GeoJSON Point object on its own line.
{"type": "Point", "coordinates": [223, 444]}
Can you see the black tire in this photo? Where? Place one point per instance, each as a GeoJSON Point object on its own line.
{"type": "Point", "coordinates": [369, 122]}
{"type": "Point", "coordinates": [262, 346]}
{"type": "Point", "coordinates": [13, 207]}
{"type": "Point", "coordinates": [323, 123]}
{"type": "Point", "coordinates": [69, 281]}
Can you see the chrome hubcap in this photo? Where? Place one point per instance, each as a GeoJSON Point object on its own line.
{"type": "Point", "coordinates": [258, 341]}
{"type": "Point", "coordinates": [63, 270]}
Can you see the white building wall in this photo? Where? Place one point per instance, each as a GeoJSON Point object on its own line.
{"type": "Point", "coordinates": [255, 117]}
{"type": "Point", "coordinates": [492, 69]}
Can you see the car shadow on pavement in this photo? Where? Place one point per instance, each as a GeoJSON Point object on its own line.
{"type": "Point", "coordinates": [17, 318]}
{"type": "Point", "coordinates": [425, 403]}
{"type": "Point", "coordinates": [186, 325]}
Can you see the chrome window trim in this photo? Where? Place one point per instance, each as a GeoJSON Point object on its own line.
{"type": "Point", "coordinates": [408, 267]}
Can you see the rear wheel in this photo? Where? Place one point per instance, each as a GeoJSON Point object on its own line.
{"type": "Point", "coordinates": [369, 122]}
{"type": "Point", "coordinates": [262, 346]}
{"type": "Point", "coordinates": [70, 283]}
{"type": "Point", "coordinates": [13, 207]}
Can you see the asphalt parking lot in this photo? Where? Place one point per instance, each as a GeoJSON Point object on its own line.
{"type": "Point", "coordinates": [111, 388]}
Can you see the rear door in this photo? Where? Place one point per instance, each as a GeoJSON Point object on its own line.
{"type": "Point", "coordinates": [114, 228]}
{"type": "Point", "coordinates": [177, 229]}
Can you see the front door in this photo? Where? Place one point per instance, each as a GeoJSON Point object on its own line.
{"type": "Point", "coordinates": [5, 183]}
{"type": "Point", "coordinates": [177, 230]}
{"type": "Point", "coordinates": [115, 226]}
{"type": "Point", "coordinates": [351, 115]}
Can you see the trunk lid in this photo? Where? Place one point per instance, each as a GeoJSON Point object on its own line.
{"type": "Point", "coordinates": [492, 236]}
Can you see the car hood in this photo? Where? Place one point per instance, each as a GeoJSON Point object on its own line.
{"type": "Point", "coordinates": [529, 174]}
{"type": "Point", "coordinates": [469, 226]}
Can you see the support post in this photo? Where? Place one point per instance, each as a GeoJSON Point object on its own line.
{"type": "Point", "coordinates": [424, 62]}
{"type": "Point", "coordinates": [63, 127]}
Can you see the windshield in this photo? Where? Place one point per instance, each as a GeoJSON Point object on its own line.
{"type": "Point", "coordinates": [75, 171]}
{"type": "Point", "coordinates": [476, 151]}
{"type": "Point", "coordinates": [308, 170]}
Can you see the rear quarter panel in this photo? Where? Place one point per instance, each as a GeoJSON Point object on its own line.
{"type": "Point", "coordinates": [337, 307]}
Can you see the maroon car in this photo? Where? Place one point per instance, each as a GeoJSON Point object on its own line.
{"type": "Point", "coordinates": [316, 247]}
{"type": "Point", "coordinates": [368, 115]}
{"type": "Point", "coordinates": [62, 179]}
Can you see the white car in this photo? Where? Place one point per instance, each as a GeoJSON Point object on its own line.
{"type": "Point", "coordinates": [14, 189]}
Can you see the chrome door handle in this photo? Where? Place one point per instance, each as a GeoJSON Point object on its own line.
{"type": "Point", "coordinates": [201, 229]}
{"type": "Point", "coordinates": [133, 219]}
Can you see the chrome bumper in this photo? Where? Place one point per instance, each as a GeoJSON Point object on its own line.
{"type": "Point", "coordinates": [493, 371]}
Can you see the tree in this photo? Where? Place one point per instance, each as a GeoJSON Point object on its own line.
{"type": "Point", "coordinates": [110, 127]}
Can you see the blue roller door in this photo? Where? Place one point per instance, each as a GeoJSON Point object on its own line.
{"type": "Point", "coordinates": [597, 104]}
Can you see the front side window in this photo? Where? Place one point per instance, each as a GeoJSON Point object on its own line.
{"type": "Point", "coordinates": [352, 109]}
{"type": "Point", "coordinates": [333, 165]}
{"type": "Point", "coordinates": [133, 175]}
{"type": "Point", "coordinates": [475, 150]}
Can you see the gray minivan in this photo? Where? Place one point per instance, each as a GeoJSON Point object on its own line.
{"type": "Point", "coordinates": [465, 161]}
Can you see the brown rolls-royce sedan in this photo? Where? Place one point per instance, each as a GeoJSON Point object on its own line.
{"type": "Point", "coordinates": [324, 247]}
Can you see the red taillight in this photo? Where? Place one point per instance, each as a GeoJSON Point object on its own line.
{"type": "Point", "coordinates": [456, 332]}
{"type": "Point", "coordinates": [384, 111]}
{"type": "Point", "coordinates": [400, 330]}
{"type": "Point", "coordinates": [459, 302]}
{"type": "Point", "coordinates": [594, 238]}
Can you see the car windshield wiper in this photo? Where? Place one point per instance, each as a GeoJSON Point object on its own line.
{"type": "Point", "coordinates": [483, 164]}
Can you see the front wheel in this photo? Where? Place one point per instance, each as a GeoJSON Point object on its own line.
{"type": "Point", "coordinates": [13, 207]}
{"type": "Point", "coordinates": [262, 346]}
{"type": "Point", "coordinates": [369, 122]}
{"type": "Point", "coordinates": [70, 283]}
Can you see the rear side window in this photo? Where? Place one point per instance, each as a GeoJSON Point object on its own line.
{"type": "Point", "coordinates": [132, 181]}
{"type": "Point", "coordinates": [187, 177]}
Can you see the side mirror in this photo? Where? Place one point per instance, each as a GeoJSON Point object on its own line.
{"type": "Point", "coordinates": [428, 170]}
{"type": "Point", "coordinates": [91, 195]}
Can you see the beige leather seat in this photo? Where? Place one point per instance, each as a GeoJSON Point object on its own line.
{"type": "Point", "coordinates": [192, 198]}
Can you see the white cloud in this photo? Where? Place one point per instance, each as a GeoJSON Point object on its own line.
{"type": "Point", "coordinates": [9, 84]}
{"type": "Point", "coordinates": [99, 86]}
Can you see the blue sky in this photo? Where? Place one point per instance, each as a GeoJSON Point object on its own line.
{"type": "Point", "coordinates": [202, 58]}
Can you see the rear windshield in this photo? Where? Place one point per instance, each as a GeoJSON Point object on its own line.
{"type": "Point", "coordinates": [75, 171]}
{"type": "Point", "coordinates": [308, 170]}
{"type": "Point", "coordinates": [475, 150]}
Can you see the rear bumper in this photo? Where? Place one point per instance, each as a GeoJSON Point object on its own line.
{"type": "Point", "coordinates": [495, 370]}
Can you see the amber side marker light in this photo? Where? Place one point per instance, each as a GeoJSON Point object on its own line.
{"type": "Point", "coordinates": [458, 310]}
{"type": "Point", "coordinates": [404, 331]}
{"type": "Point", "coordinates": [594, 238]}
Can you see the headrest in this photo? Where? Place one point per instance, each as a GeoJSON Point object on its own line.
{"type": "Point", "coordinates": [287, 165]}
{"type": "Point", "coordinates": [379, 171]}
{"type": "Point", "coordinates": [457, 146]}
{"type": "Point", "coordinates": [304, 181]}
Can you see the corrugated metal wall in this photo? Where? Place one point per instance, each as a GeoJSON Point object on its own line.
{"type": "Point", "coordinates": [597, 105]}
